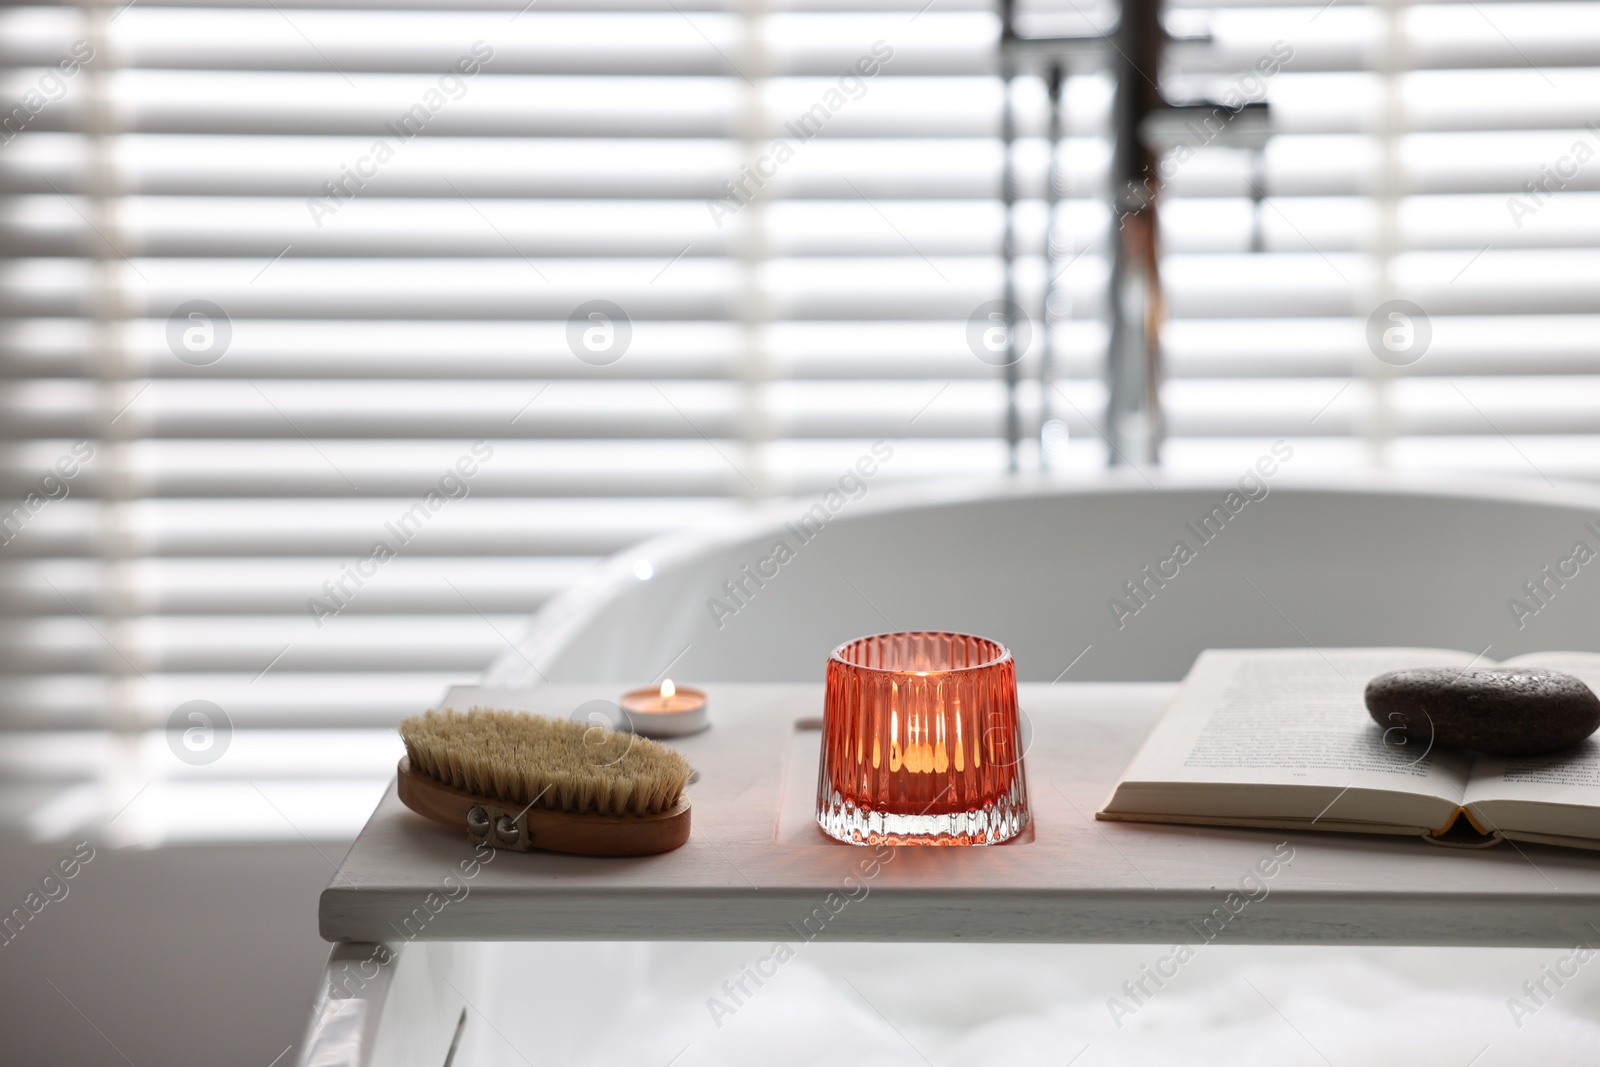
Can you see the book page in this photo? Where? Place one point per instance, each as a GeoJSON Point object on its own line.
{"type": "Point", "coordinates": [1557, 794]}
{"type": "Point", "coordinates": [1296, 718]}
{"type": "Point", "coordinates": [1567, 778]}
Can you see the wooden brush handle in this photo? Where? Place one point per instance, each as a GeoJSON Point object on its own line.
{"type": "Point", "coordinates": [510, 826]}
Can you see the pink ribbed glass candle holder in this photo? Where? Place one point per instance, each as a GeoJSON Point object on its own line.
{"type": "Point", "coordinates": [921, 742]}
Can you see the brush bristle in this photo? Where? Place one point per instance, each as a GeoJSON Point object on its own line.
{"type": "Point", "coordinates": [551, 763]}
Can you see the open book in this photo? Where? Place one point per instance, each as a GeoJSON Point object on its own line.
{"type": "Point", "coordinates": [1281, 738]}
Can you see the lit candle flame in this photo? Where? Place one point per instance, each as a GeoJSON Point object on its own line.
{"type": "Point", "coordinates": [668, 690]}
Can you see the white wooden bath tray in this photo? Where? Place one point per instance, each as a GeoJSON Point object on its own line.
{"type": "Point", "coordinates": [757, 868]}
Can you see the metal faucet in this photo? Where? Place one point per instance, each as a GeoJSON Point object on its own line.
{"type": "Point", "coordinates": [1144, 122]}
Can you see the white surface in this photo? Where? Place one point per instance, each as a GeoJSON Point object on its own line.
{"type": "Point", "coordinates": [1370, 561]}
{"type": "Point", "coordinates": [973, 1005]}
{"type": "Point", "coordinates": [756, 867]}
{"type": "Point", "coordinates": [1021, 1006]}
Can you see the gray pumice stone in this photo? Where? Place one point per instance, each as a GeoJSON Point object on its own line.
{"type": "Point", "coordinates": [1508, 711]}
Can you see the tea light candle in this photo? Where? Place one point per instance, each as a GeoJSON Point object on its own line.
{"type": "Point", "coordinates": [670, 711]}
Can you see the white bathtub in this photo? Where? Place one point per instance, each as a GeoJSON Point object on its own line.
{"type": "Point", "coordinates": [1040, 567]}
{"type": "Point", "coordinates": [1365, 562]}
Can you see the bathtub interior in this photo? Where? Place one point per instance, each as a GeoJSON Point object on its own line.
{"type": "Point", "coordinates": [1035, 570]}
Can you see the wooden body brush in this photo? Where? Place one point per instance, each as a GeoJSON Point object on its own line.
{"type": "Point", "coordinates": [520, 782]}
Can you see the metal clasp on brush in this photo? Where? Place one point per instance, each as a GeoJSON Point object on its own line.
{"type": "Point", "coordinates": [499, 828]}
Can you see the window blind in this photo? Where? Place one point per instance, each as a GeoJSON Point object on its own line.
{"type": "Point", "coordinates": [337, 340]}
{"type": "Point", "coordinates": [1427, 153]}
